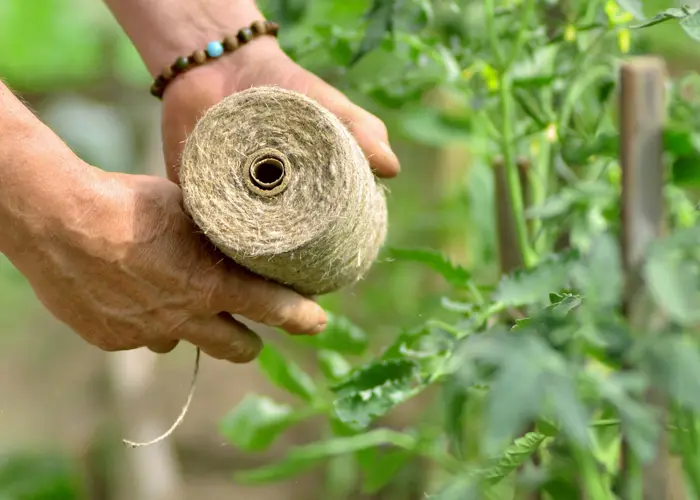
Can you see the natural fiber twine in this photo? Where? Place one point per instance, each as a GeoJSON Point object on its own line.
{"type": "Point", "coordinates": [278, 184]}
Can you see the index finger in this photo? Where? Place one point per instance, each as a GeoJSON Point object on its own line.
{"type": "Point", "coordinates": [239, 291]}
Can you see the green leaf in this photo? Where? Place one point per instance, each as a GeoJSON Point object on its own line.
{"type": "Point", "coordinates": [599, 273]}
{"type": "Point", "coordinates": [513, 457]}
{"type": "Point", "coordinates": [455, 274]}
{"type": "Point", "coordinates": [515, 397]}
{"type": "Point", "coordinates": [373, 390]}
{"type": "Point", "coordinates": [333, 365]}
{"type": "Point", "coordinates": [672, 273]}
{"type": "Point", "coordinates": [380, 466]}
{"type": "Point", "coordinates": [256, 422]}
{"type": "Point", "coordinates": [686, 171]}
{"type": "Point", "coordinates": [534, 285]}
{"type": "Point", "coordinates": [305, 457]}
{"type": "Point", "coordinates": [662, 17]}
{"type": "Point", "coordinates": [691, 25]}
{"type": "Point", "coordinates": [639, 424]}
{"type": "Point", "coordinates": [340, 335]}
{"type": "Point", "coordinates": [381, 22]}
{"type": "Point", "coordinates": [430, 126]}
{"type": "Point", "coordinates": [459, 488]}
{"type": "Point", "coordinates": [674, 366]}
{"type": "Point", "coordinates": [634, 7]}
{"type": "Point", "coordinates": [25, 476]}
{"type": "Point", "coordinates": [285, 373]}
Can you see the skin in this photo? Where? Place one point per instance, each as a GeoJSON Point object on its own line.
{"type": "Point", "coordinates": [114, 256]}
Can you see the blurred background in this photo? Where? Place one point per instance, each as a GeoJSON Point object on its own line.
{"type": "Point", "coordinates": [64, 406]}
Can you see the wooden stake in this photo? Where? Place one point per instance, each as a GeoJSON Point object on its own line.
{"type": "Point", "coordinates": [642, 110]}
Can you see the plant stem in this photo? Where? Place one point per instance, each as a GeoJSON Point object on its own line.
{"type": "Point", "coordinates": [520, 41]}
{"type": "Point", "coordinates": [515, 193]}
{"type": "Point", "coordinates": [490, 14]}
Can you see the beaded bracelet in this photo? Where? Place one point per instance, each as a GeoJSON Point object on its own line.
{"type": "Point", "coordinates": [214, 50]}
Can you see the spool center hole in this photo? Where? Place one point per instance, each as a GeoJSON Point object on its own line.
{"type": "Point", "coordinates": [267, 173]}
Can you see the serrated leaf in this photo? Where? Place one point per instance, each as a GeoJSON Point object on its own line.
{"type": "Point", "coordinates": [691, 25]}
{"type": "Point", "coordinates": [634, 7]}
{"type": "Point", "coordinates": [513, 457]}
{"type": "Point", "coordinates": [256, 422]}
{"type": "Point", "coordinates": [534, 285]}
{"type": "Point", "coordinates": [285, 373]}
{"type": "Point", "coordinates": [373, 390]}
{"type": "Point", "coordinates": [455, 274]}
{"type": "Point", "coordinates": [662, 17]}
{"type": "Point", "coordinates": [340, 335]}
{"type": "Point", "coordinates": [305, 457]}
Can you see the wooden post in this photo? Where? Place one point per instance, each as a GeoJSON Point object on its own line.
{"type": "Point", "coordinates": [642, 110]}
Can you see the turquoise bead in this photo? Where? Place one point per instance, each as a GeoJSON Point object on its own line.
{"type": "Point", "coordinates": [215, 49]}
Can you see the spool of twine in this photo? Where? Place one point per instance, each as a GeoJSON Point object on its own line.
{"type": "Point", "coordinates": [278, 184]}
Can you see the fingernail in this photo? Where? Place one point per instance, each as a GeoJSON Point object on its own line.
{"type": "Point", "coordinates": [387, 149]}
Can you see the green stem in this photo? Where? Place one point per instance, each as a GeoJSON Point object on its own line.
{"type": "Point", "coordinates": [490, 13]}
{"type": "Point", "coordinates": [594, 486]}
{"type": "Point", "coordinates": [690, 448]}
{"type": "Point", "coordinates": [520, 40]}
{"type": "Point", "coordinates": [515, 193]}
{"type": "Point", "coordinates": [632, 476]}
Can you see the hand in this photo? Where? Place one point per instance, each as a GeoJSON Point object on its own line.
{"type": "Point", "coordinates": [128, 269]}
{"type": "Point", "coordinates": [262, 62]}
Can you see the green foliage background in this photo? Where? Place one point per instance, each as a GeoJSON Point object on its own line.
{"type": "Point", "coordinates": [57, 47]}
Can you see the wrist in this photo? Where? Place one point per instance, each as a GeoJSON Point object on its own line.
{"type": "Point", "coordinates": [163, 30]}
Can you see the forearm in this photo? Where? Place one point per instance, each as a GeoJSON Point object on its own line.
{"type": "Point", "coordinates": [40, 177]}
{"type": "Point", "coordinates": [162, 30]}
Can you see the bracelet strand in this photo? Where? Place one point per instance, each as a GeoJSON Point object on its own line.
{"type": "Point", "coordinates": [213, 50]}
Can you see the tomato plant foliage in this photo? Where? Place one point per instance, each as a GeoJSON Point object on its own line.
{"type": "Point", "coordinates": [538, 379]}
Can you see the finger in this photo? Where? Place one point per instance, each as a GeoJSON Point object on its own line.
{"type": "Point", "coordinates": [241, 292]}
{"type": "Point", "coordinates": [369, 131]}
{"type": "Point", "coordinates": [222, 337]}
{"type": "Point", "coordinates": [372, 137]}
{"type": "Point", "coordinates": [163, 346]}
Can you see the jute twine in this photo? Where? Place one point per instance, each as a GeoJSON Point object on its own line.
{"type": "Point", "coordinates": [278, 184]}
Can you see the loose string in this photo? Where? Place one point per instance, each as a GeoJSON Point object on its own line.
{"type": "Point", "coordinates": [180, 418]}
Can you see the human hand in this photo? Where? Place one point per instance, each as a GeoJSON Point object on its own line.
{"type": "Point", "coordinates": [262, 62]}
{"type": "Point", "coordinates": [127, 269]}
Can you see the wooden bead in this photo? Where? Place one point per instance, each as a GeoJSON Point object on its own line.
{"type": "Point", "coordinates": [168, 73]}
{"type": "Point", "coordinates": [272, 28]}
{"type": "Point", "coordinates": [199, 57]}
{"type": "Point", "coordinates": [258, 28]}
{"type": "Point", "coordinates": [245, 35]}
{"type": "Point", "coordinates": [230, 43]}
{"type": "Point", "coordinates": [181, 64]}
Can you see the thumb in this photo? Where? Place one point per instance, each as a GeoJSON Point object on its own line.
{"type": "Point", "coordinates": [369, 131]}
